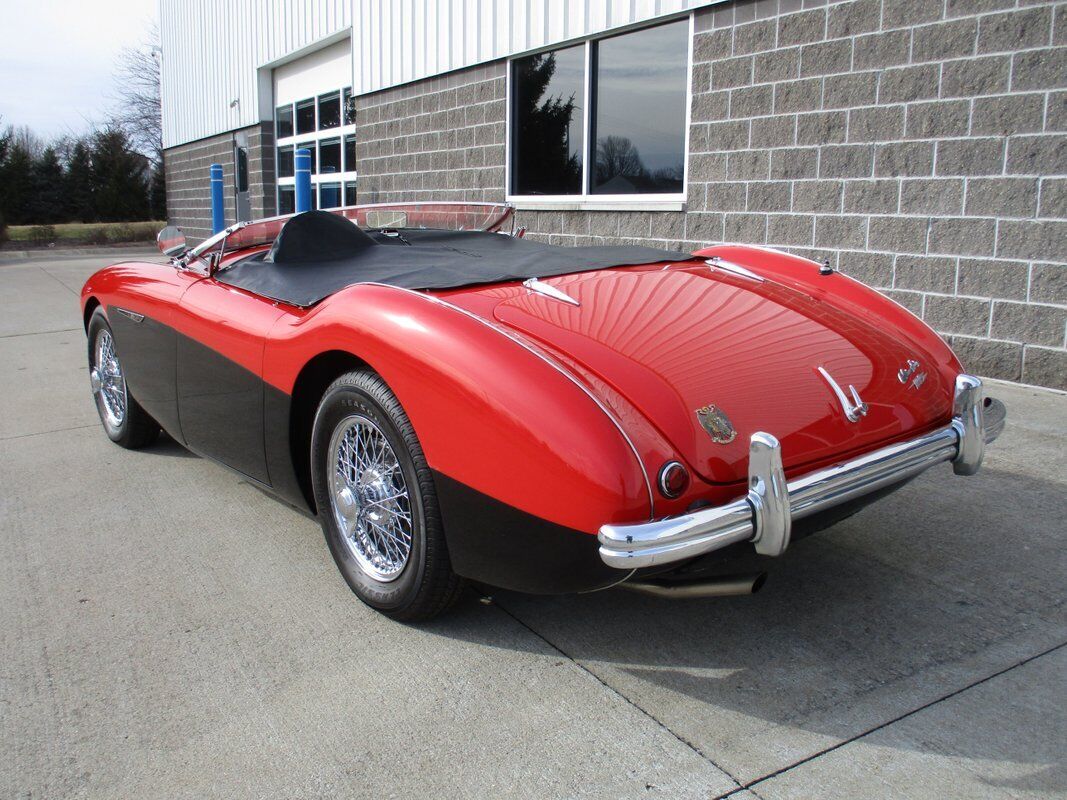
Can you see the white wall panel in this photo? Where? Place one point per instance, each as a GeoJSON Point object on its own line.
{"type": "Point", "coordinates": [328, 68]}
{"type": "Point", "coordinates": [215, 50]}
{"type": "Point", "coordinates": [212, 52]}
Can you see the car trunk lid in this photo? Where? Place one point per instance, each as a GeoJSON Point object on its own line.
{"type": "Point", "coordinates": [684, 339]}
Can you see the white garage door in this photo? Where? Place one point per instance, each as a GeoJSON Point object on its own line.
{"type": "Point", "coordinates": [312, 99]}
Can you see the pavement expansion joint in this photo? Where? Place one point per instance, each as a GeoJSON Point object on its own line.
{"type": "Point", "coordinates": [903, 716]}
{"type": "Point", "coordinates": [644, 712]}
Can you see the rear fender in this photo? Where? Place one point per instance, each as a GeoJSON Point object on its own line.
{"type": "Point", "coordinates": [489, 413]}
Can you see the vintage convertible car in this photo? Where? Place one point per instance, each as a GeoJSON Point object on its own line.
{"type": "Point", "coordinates": [454, 401]}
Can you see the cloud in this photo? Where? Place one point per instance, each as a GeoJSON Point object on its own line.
{"type": "Point", "coordinates": [58, 59]}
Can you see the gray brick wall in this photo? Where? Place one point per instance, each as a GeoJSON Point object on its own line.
{"type": "Point", "coordinates": [921, 146]}
{"type": "Point", "coordinates": [188, 185]}
{"type": "Point", "coordinates": [439, 139]}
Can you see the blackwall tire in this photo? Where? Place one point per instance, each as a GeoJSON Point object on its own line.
{"type": "Point", "coordinates": [376, 501]}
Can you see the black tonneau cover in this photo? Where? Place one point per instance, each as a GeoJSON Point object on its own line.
{"type": "Point", "coordinates": [318, 253]}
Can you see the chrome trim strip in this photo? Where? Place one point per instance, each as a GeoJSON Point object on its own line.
{"type": "Point", "coordinates": [552, 363]}
{"type": "Point", "coordinates": [715, 262]}
{"type": "Point", "coordinates": [764, 516]}
{"type": "Point", "coordinates": [129, 314]}
{"type": "Point", "coordinates": [548, 290]}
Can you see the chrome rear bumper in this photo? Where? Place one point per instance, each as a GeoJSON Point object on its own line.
{"type": "Point", "coordinates": [764, 516]}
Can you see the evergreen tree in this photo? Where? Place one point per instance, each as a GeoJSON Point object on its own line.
{"type": "Point", "coordinates": [78, 184]}
{"type": "Point", "coordinates": [157, 192]}
{"type": "Point", "coordinates": [120, 178]}
{"type": "Point", "coordinates": [18, 183]}
{"type": "Point", "coordinates": [45, 204]}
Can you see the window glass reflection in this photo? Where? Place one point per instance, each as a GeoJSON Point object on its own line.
{"type": "Point", "coordinates": [350, 193]}
{"type": "Point", "coordinates": [283, 121]}
{"type": "Point", "coordinates": [349, 107]}
{"type": "Point", "coordinates": [305, 116]}
{"type": "Point", "coordinates": [285, 162]}
{"type": "Point", "coordinates": [639, 124]}
{"type": "Point", "coordinates": [350, 152]}
{"type": "Point", "coordinates": [286, 200]}
{"type": "Point", "coordinates": [548, 91]}
{"type": "Point", "coordinates": [329, 156]}
{"type": "Point", "coordinates": [329, 111]}
{"type": "Point", "coordinates": [329, 195]}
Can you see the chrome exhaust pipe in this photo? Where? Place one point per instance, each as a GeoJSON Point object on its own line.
{"type": "Point", "coordinates": [725, 586]}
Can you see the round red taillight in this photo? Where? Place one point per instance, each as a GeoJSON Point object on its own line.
{"type": "Point", "coordinates": [673, 479]}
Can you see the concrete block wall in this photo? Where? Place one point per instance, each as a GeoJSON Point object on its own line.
{"type": "Point", "coordinates": [438, 139]}
{"type": "Point", "coordinates": [189, 187]}
{"type": "Point", "coordinates": [920, 145]}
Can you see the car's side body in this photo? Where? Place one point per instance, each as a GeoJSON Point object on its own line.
{"type": "Point", "coordinates": [501, 426]}
{"type": "Point", "coordinates": [542, 421]}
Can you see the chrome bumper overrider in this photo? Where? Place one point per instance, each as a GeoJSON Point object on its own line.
{"type": "Point", "coordinates": [764, 517]}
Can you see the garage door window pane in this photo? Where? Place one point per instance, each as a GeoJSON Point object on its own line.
{"type": "Point", "coordinates": [350, 152]}
{"type": "Point", "coordinates": [283, 121]}
{"type": "Point", "coordinates": [350, 193]}
{"type": "Point", "coordinates": [329, 111]}
{"type": "Point", "coordinates": [286, 200]}
{"type": "Point", "coordinates": [349, 106]}
{"type": "Point", "coordinates": [639, 125]}
{"type": "Point", "coordinates": [548, 91]}
{"type": "Point", "coordinates": [329, 195]}
{"type": "Point", "coordinates": [285, 162]}
{"type": "Point", "coordinates": [305, 116]}
{"type": "Point", "coordinates": [329, 156]}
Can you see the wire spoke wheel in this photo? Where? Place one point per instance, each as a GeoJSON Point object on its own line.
{"type": "Point", "coordinates": [109, 385]}
{"type": "Point", "coordinates": [369, 498]}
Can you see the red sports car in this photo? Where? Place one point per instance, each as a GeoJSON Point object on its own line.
{"type": "Point", "coordinates": [454, 401]}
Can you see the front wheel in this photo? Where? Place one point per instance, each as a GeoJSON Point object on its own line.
{"type": "Point", "coordinates": [124, 421]}
{"type": "Point", "coordinates": [376, 501]}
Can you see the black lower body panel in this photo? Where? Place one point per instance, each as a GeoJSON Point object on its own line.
{"type": "Point", "coordinates": [494, 543]}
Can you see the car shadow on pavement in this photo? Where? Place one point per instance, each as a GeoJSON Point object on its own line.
{"type": "Point", "coordinates": [912, 599]}
{"type": "Point", "coordinates": [166, 446]}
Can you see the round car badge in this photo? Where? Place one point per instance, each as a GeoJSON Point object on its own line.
{"type": "Point", "coordinates": [717, 424]}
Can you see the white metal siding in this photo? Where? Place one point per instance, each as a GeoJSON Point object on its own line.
{"type": "Point", "coordinates": [397, 41]}
{"type": "Point", "coordinates": [213, 49]}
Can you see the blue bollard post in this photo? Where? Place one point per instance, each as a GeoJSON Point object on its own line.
{"type": "Point", "coordinates": [303, 180]}
{"type": "Point", "coordinates": [218, 212]}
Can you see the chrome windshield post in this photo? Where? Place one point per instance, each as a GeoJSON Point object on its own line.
{"type": "Point", "coordinates": [968, 418]}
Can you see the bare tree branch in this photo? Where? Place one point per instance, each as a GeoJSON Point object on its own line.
{"type": "Point", "coordinates": [139, 110]}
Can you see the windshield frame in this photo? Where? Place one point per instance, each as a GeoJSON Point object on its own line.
{"type": "Point", "coordinates": [495, 223]}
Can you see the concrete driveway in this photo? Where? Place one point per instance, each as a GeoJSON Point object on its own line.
{"type": "Point", "coordinates": [168, 631]}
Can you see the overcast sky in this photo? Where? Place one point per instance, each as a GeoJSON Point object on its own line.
{"type": "Point", "coordinates": [57, 59]}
